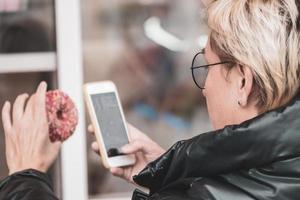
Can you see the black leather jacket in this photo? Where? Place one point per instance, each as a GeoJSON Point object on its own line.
{"type": "Point", "coordinates": [258, 159]}
{"type": "Point", "coordinates": [27, 185]}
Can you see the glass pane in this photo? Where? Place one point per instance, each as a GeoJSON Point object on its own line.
{"type": "Point", "coordinates": [146, 48]}
{"type": "Point", "coordinates": [27, 26]}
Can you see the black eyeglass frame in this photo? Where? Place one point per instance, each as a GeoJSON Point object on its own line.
{"type": "Point", "coordinates": [203, 66]}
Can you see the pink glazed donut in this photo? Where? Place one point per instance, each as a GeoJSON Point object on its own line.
{"type": "Point", "coordinates": [62, 115]}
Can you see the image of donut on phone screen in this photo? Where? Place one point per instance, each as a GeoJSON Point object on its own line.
{"type": "Point", "coordinates": [108, 120]}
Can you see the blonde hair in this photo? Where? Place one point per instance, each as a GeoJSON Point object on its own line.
{"type": "Point", "coordinates": [263, 35]}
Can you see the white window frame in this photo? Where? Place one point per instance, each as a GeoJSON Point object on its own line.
{"type": "Point", "coordinates": [27, 62]}
{"type": "Point", "coordinates": [70, 79]}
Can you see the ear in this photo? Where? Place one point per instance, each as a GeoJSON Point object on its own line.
{"type": "Point", "coordinates": [245, 85]}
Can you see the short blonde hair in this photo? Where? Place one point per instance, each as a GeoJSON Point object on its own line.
{"type": "Point", "coordinates": [263, 35]}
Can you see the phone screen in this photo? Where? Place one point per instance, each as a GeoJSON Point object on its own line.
{"type": "Point", "coordinates": [110, 120]}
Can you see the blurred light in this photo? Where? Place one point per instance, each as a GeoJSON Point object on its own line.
{"type": "Point", "coordinates": [155, 32]}
{"type": "Point", "coordinates": [202, 40]}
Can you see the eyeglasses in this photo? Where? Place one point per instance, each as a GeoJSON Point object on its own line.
{"type": "Point", "coordinates": [200, 68]}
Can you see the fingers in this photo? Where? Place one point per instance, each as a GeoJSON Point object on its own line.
{"type": "Point", "coordinates": [30, 105]}
{"type": "Point", "coordinates": [41, 91]}
{"type": "Point", "coordinates": [119, 172]}
{"type": "Point", "coordinates": [56, 145]}
{"type": "Point", "coordinates": [95, 147]}
{"type": "Point", "coordinates": [6, 120]}
{"type": "Point", "coordinates": [91, 128]}
{"type": "Point", "coordinates": [18, 107]}
{"type": "Point", "coordinates": [36, 103]}
{"type": "Point", "coordinates": [135, 146]}
{"type": "Point", "coordinates": [41, 97]}
{"type": "Point", "coordinates": [124, 173]}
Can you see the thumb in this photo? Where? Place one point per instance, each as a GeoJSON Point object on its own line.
{"type": "Point", "coordinates": [55, 146]}
{"type": "Point", "coordinates": [136, 146]}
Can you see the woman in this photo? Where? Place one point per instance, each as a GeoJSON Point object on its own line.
{"type": "Point", "coordinates": [250, 81]}
{"type": "Point", "coordinates": [251, 84]}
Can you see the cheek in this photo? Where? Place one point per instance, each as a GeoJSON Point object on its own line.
{"type": "Point", "coordinates": [218, 99]}
{"type": "Point", "coordinates": [216, 110]}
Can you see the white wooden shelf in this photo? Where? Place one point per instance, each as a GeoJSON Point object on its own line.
{"type": "Point", "coordinates": [27, 62]}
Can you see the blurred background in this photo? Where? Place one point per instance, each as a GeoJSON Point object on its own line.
{"type": "Point", "coordinates": [145, 46]}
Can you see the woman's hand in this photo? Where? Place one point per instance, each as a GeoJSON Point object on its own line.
{"type": "Point", "coordinates": [145, 150]}
{"type": "Point", "coordinates": [26, 133]}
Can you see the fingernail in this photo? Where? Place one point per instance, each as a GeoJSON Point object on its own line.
{"type": "Point", "coordinates": [124, 148]}
{"type": "Point", "coordinates": [43, 84]}
{"type": "Point", "coordinates": [6, 105]}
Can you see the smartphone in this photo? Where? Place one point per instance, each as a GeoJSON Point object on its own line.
{"type": "Point", "coordinates": [108, 120]}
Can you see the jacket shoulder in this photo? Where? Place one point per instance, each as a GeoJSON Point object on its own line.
{"type": "Point", "coordinates": [27, 185]}
{"type": "Point", "coordinates": [276, 181]}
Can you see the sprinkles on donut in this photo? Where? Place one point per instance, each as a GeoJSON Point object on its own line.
{"type": "Point", "coordinates": [62, 115]}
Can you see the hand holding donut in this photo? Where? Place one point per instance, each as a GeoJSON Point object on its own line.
{"type": "Point", "coordinates": [26, 133]}
{"type": "Point", "coordinates": [28, 144]}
